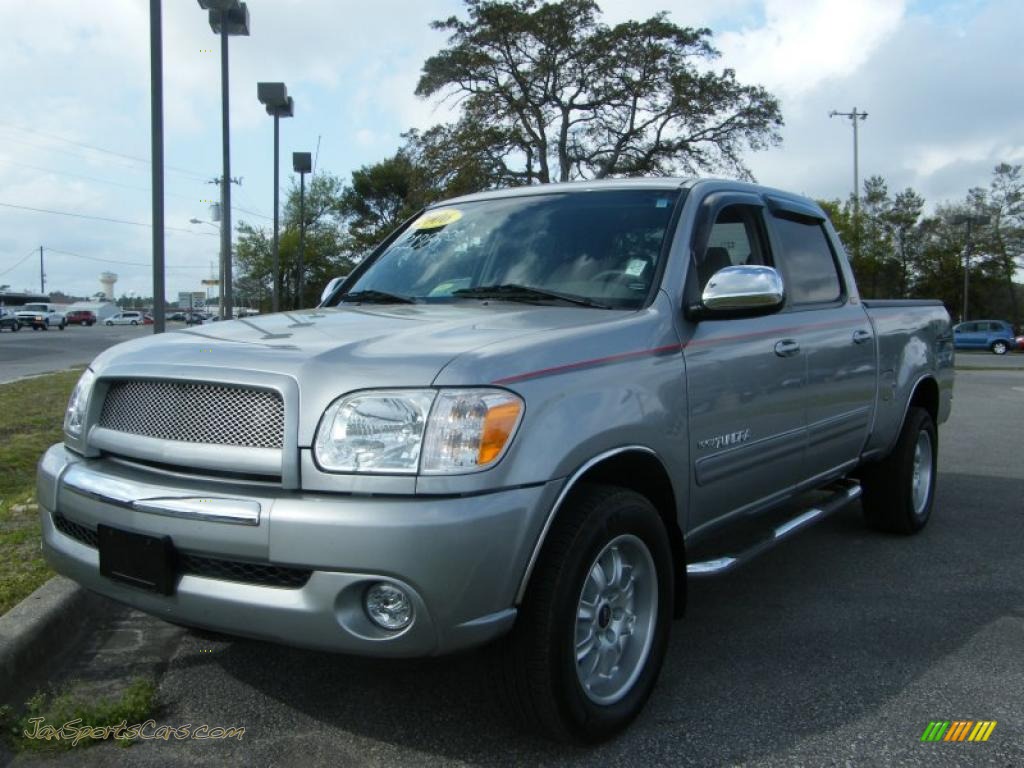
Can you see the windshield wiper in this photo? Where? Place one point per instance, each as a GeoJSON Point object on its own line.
{"type": "Point", "coordinates": [516, 292]}
{"type": "Point", "coordinates": [377, 297]}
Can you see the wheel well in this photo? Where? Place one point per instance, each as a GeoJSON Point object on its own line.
{"type": "Point", "coordinates": [927, 396]}
{"type": "Point", "coordinates": [644, 473]}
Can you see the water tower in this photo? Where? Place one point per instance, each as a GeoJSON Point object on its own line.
{"type": "Point", "coordinates": [107, 280]}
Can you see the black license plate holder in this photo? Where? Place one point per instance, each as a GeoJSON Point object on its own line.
{"type": "Point", "coordinates": [145, 562]}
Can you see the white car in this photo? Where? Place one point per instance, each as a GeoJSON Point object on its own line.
{"type": "Point", "coordinates": [124, 318]}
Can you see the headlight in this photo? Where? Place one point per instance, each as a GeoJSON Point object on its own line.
{"type": "Point", "coordinates": [469, 429]}
{"type": "Point", "coordinates": [405, 431]}
{"type": "Point", "coordinates": [374, 432]}
{"type": "Point", "coordinates": [74, 418]}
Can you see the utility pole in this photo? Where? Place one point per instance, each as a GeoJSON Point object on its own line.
{"type": "Point", "coordinates": [42, 274]}
{"type": "Point", "coordinates": [968, 220]}
{"type": "Point", "coordinates": [854, 117]}
{"type": "Point", "coordinates": [225, 243]}
{"type": "Point", "coordinates": [156, 127]}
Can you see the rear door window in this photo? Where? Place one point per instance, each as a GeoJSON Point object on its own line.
{"type": "Point", "coordinates": [812, 276]}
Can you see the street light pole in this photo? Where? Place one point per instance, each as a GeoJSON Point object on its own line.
{"type": "Point", "coordinates": [968, 220]}
{"type": "Point", "coordinates": [227, 17]}
{"type": "Point", "coordinates": [302, 163]}
{"type": "Point", "coordinates": [279, 104]}
{"type": "Point", "coordinates": [156, 127]}
{"type": "Point", "coordinates": [854, 117]}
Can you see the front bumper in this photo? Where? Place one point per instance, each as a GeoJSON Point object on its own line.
{"type": "Point", "coordinates": [460, 558]}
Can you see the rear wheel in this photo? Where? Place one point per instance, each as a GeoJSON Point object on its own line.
{"type": "Point", "coordinates": [899, 490]}
{"type": "Point", "coordinates": [108, 323]}
{"type": "Point", "coordinates": [135, 322]}
{"type": "Point", "coordinates": [1000, 347]}
{"type": "Point", "coordinates": [593, 628]}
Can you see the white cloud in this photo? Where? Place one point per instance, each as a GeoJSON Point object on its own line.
{"type": "Point", "coordinates": [802, 43]}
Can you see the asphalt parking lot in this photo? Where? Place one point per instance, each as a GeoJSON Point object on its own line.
{"type": "Point", "coordinates": [28, 352]}
{"type": "Point", "coordinates": [837, 648]}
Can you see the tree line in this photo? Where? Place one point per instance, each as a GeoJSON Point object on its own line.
{"type": "Point", "coordinates": [899, 251]}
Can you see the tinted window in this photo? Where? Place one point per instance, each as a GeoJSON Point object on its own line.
{"type": "Point", "coordinates": [811, 274]}
{"type": "Point", "coordinates": [734, 240]}
{"type": "Point", "coordinates": [604, 246]}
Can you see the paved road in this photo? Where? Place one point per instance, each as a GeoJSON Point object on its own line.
{"type": "Point", "coordinates": [1009, 361]}
{"type": "Point", "coordinates": [28, 352]}
{"type": "Point", "coordinates": [836, 648]}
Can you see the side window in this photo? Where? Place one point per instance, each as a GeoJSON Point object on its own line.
{"type": "Point", "coordinates": [735, 239]}
{"type": "Point", "coordinates": [811, 274]}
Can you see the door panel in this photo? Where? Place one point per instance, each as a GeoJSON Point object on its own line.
{"type": "Point", "coordinates": [746, 414]}
{"type": "Point", "coordinates": [841, 383]}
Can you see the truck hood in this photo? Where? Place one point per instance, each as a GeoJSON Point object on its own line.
{"type": "Point", "coordinates": [331, 351]}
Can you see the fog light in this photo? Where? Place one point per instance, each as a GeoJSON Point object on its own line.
{"type": "Point", "coordinates": [388, 606]}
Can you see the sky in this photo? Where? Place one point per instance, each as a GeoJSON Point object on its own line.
{"type": "Point", "coordinates": [939, 79]}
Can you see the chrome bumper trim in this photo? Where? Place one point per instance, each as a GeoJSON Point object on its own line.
{"type": "Point", "coordinates": [125, 493]}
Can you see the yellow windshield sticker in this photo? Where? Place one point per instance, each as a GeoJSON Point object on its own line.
{"type": "Point", "coordinates": [436, 219]}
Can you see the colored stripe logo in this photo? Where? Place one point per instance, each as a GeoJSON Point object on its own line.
{"type": "Point", "coordinates": [958, 730]}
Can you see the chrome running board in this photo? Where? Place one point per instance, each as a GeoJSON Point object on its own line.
{"type": "Point", "coordinates": [842, 493]}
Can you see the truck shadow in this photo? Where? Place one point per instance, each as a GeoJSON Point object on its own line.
{"type": "Point", "coordinates": [816, 635]}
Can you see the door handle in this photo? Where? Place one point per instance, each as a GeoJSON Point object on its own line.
{"type": "Point", "coordinates": [860, 336]}
{"type": "Point", "coordinates": [787, 348]}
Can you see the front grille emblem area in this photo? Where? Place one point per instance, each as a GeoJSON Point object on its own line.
{"type": "Point", "coordinates": [195, 412]}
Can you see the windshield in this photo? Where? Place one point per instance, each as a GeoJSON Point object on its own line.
{"type": "Point", "coordinates": [35, 307]}
{"type": "Point", "coordinates": [601, 247]}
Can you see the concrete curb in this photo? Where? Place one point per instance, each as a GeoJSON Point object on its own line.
{"type": "Point", "coordinates": [39, 628]}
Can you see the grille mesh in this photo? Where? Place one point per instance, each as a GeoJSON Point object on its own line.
{"type": "Point", "coordinates": [195, 413]}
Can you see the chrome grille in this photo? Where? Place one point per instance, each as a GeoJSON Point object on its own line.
{"type": "Point", "coordinates": [194, 412]}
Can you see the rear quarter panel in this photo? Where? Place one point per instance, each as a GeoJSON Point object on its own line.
{"type": "Point", "coordinates": [915, 341]}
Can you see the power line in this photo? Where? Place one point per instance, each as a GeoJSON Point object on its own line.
{"type": "Point", "coordinates": [91, 178]}
{"type": "Point", "coordinates": [119, 184]}
{"type": "Point", "coordinates": [20, 262]}
{"type": "Point", "coordinates": [101, 218]}
{"type": "Point", "coordinates": [147, 161]}
{"type": "Point", "coordinates": [114, 261]}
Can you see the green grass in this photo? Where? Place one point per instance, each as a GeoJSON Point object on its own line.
{"type": "Point", "coordinates": [78, 706]}
{"type": "Point", "coordinates": [31, 415]}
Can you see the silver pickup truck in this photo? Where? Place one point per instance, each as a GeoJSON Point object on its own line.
{"type": "Point", "coordinates": [525, 420]}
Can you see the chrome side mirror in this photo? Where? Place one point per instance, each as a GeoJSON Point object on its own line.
{"type": "Point", "coordinates": [334, 283]}
{"type": "Point", "coordinates": [744, 288]}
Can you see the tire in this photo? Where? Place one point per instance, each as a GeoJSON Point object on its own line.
{"type": "Point", "coordinates": [16, 327]}
{"type": "Point", "coordinates": [539, 680]}
{"type": "Point", "coordinates": [899, 491]}
{"type": "Point", "coordinates": [1000, 347]}
{"type": "Point", "coordinates": [135, 322]}
{"type": "Point", "coordinates": [108, 323]}
{"type": "Point", "coordinates": [62, 326]}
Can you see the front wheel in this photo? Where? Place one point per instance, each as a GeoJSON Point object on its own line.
{"type": "Point", "coordinates": [108, 323]}
{"type": "Point", "coordinates": [135, 322]}
{"type": "Point", "coordinates": [899, 491]}
{"type": "Point", "coordinates": [1000, 347]}
{"type": "Point", "coordinates": [593, 628]}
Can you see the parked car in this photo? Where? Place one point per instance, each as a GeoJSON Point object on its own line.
{"type": "Point", "coordinates": [993, 335]}
{"type": "Point", "coordinates": [147, 319]}
{"type": "Point", "coordinates": [41, 316]}
{"type": "Point", "coordinates": [1020, 343]}
{"type": "Point", "coordinates": [9, 321]}
{"type": "Point", "coordinates": [533, 415]}
{"type": "Point", "coordinates": [125, 318]}
{"type": "Point", "coordinates": [81, 317]}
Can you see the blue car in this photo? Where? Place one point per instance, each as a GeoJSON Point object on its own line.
{"type": "Point", "coordinates": [994, 335]}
